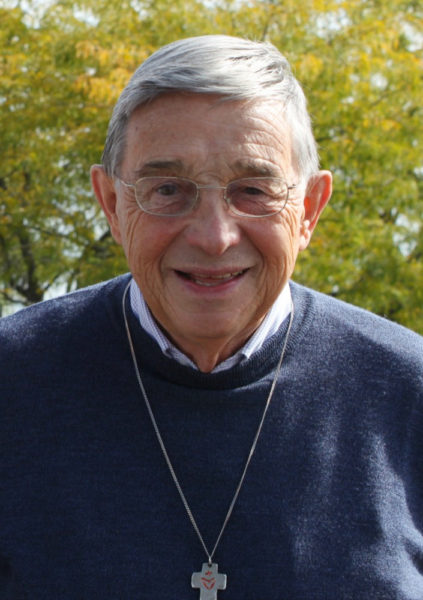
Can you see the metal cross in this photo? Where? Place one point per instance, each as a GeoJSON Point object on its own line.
{"type": "Point", "coordinates": [208, 581]}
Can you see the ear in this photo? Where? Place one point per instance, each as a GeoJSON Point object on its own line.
{"type": "Point", "coordinates": [104, 189]}
{"type": "Point", "coordinates": [318, 193]}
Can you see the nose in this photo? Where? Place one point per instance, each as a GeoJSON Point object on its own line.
{"type": "Point", "coordinates": [212, 227]}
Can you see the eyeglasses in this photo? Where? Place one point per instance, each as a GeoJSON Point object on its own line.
{"type": "Point", "coordinates": [177, 196]}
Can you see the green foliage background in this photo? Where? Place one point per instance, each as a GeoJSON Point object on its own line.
{"type": "Point", "coordinates": [64, 64]}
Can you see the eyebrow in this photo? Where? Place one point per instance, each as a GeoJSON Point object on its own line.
{"type": "Point", "coordinates": [243, 168]}
{"type": "Point", "coordinates": [155, 166]}
{"type": "Point", "coordinates": [255, 169]}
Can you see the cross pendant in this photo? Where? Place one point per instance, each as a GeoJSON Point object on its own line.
{"type": "Point", "coordinates": [208, 581]}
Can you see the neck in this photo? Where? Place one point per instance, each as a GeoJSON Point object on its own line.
{"type": "Point", "coordinates": [208, 353]}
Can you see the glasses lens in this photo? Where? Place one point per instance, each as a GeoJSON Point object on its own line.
{"type": "Point", "coordinates": [166, 196]}
{"type": "Point", "coordinates": [257, 197]}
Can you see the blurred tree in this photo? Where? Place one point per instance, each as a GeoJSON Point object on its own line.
{"type": "Point", "coordinates": [363, 73]}
{"type": "Point", "coordinates": [60, 75]}
{"type": "Point", "coordinates": [360, 63]}
{"type": "Point", "coordinates": [48, 221]}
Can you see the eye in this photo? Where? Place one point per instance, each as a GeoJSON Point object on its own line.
{"type": "Point", "coordinates": [168, 189]}
{"type": "Point", "coordinates": [251, 190]}
{"type": "Point", "coordinates": [165, 195]}
{"type": "Point", "coordinates": [257, 197]}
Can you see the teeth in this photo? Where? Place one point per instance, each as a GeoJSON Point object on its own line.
{"type": "Point", "coordinates": [226, 276]}
{"type": "Point", "coordinates": [205, 280]}
{"type": "Point", "coordinates": [203, 283]}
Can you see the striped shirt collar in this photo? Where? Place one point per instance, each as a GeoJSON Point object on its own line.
{"type": "Point", "coordinates": [270, 324]}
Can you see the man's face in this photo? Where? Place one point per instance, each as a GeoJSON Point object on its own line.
{"type": "Point", "coordinates": [210, 275]}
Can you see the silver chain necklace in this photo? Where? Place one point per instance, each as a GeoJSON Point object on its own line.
{"type": "Point", "coordinates": [208, 580]}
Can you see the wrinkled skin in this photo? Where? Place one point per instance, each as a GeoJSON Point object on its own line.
{"type": "Point", "coordinates": [210, 277]}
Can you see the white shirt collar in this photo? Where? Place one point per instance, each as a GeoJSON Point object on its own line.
{"type": "Point", "coordinates": [270, 324]}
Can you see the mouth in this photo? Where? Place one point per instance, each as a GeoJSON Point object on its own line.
{"type": "Point", "coordinates": [211, 280]}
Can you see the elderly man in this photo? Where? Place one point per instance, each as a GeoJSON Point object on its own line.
{"type": "Point", "coordinates": [204, 427]}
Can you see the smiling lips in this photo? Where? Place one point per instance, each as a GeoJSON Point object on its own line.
{"type": "Point", "coordinates": [208, 280]}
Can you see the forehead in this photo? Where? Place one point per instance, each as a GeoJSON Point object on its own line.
{"type": "Point", "coordinates": [200, 133]}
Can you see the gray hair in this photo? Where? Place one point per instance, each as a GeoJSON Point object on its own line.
{"type": "Point", "coordinates": [232, 68]}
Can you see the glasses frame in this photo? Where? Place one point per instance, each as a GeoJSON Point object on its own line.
{"type": "Point", "coordinates": [208, 187]}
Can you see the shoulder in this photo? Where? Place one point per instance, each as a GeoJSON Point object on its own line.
{"type": "Point", "coordinates": [41, 323]}
{"type": "Point", "coordinates": [355, 331]}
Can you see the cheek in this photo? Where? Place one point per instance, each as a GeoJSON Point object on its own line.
{"type": "Point", "coordinates": [279, 247]}
{"type": "Point", "coordinates": [292, 224]}
{"type": "Point", "coordinates": [146, 241]}
{"type": "Point", "coordinates": [133, 239]}
{"type": "Point", "coordinates": [281, 238]}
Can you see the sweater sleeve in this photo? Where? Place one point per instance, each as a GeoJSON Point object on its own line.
{"type": "Point", "coordinates": [414, 475]}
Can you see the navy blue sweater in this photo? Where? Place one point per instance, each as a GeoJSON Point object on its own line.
{"type": "Point", "coordinates": [332, 505]}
